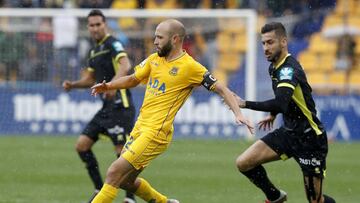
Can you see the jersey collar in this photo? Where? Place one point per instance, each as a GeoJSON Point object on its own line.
{"type": "Point", "coordinates": [183, 54]}
{"type": "Point", "coordinates": [281, 62]}
{"type": "Point", "coordinates": [102, 41]}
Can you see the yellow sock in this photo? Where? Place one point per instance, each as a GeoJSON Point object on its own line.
{"type": "Point", "coordinates": [147, 193]}
{"type": "Point", "coordinates": [106, 195]}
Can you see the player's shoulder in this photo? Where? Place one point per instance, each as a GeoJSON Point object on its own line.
{"type": "Point", "coordinates": [292, 62]}
{"type": "Point", "coordinates": [151, 58]}
{"type": "Point", "coordinates": [288, 69]}
{"type": "Point", "coordinates": [114, 43]}
{"type": "Point", "coordinates": [189, 60]}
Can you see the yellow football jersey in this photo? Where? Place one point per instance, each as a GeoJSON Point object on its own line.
{"type": "Point", "coordinates": [168, 85]}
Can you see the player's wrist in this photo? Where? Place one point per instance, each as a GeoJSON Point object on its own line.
{"type": "Point", "coordinates": [242, 103]}
{"type": "Point", "coordinates": [70, 85]}
{"type": "Point", "coordinates": [109, 86]}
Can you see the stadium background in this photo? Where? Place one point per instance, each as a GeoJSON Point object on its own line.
{"type": "Point", "coordinates": [38, 53]}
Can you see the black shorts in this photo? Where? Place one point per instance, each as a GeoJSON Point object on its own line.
{"type": "Point", "coordinates": [308, 149]}
{"type": "Point", "coordinates": [114, 122]}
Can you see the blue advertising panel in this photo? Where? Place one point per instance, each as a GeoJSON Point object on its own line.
{"type": "Point", "coordinates": [51, 111]}
{"type": "Point", "coordinates": [340, 115]}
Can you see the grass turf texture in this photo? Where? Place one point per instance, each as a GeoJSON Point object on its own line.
{"type": "Point", "coordinates": [46, 169]}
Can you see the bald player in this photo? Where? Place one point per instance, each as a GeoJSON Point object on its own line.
{"type": "Point", "coordinates": [170, 76]}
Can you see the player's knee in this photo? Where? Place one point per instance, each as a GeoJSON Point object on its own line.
{"type": "Point", "coordinates": [242, 164]}
{"type": "Point", "coordinates": [127, 185]}
{"type": "Point", "coordinates": [83, 145]}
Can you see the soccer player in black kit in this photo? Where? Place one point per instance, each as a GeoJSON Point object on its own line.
{"type": "Point", "coordinates": [107, 61]}
{"type": "Point", "coordinates": [302, 136]}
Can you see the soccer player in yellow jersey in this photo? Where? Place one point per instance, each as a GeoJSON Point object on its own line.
{"type": "Point", "coordinates": [170, 76]}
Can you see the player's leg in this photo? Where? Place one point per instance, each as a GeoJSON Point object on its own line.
{"type": "Point", "coordinates": [313, 190]}
{"type": "Point", "coordinates": [119, 136]}
{"type": "Point", "coordinates": [84, 144]}
{"type": "Point", "coordinates": [250, 163]}
{"type": "Point", "coordinates": [129, 196]}
{"type": "Point", "coordinates": [312, 159]}
{"type": "Point", "coordinates": [83, 148]}
{"type": "Point", "coordinates": [139, 151]}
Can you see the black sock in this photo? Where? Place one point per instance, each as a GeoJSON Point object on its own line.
{"type": "Point", "coordinates": [328, 199]}
{"type": "Point", "coordinates": [259, 177]}
{"type": "Point", "coordinates": [92, 166]}
{"type": "Point", "coordinates": [130, 195]}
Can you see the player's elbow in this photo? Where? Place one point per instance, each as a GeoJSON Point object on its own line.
{"type": "Point", "coordinates": [220, 89]}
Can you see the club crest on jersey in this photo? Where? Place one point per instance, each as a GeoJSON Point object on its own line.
{"type": "Point", "coordinates": [174, 71]}
{"type": "Point", "coordinates": [286, 73]}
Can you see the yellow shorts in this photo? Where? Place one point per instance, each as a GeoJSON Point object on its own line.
{"type": "Point", "coordinates": [142, 147]}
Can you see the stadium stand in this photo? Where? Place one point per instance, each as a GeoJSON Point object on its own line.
{"type": "Point", "coordinates": [317, 53]}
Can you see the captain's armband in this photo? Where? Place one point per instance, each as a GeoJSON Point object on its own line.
{"type": "Point", "coordinates": [208, 81]}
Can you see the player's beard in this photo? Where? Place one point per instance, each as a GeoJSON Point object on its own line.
{"type": "Point", "coordinates": [275, 56]}
{"type": "Point", "coordinates": [165, 50]}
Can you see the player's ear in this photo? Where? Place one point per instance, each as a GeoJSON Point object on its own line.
{"type": "Point", "coordinates": [283, 42]}
{"type": "Point", "coordinates": [175, 38]}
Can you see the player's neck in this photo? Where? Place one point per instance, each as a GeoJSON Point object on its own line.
{"type": "Point", "coordinates": [174, 54]}
{"type": "Point", "coordinates": [281, 57]}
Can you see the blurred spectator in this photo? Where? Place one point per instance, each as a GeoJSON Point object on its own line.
{"type": "Point", "coordinates": [65, 42]}
{"type": "Point", "coordinates": [52, 3]}
{"type": "Point", "coordinates": [30, 68]}
{"type": "Point", "coordinates": [27, 4]}
{"type": "Point", "coordinates": [94, 3]}
{"type": "Point", "coordinates": [345, 53]}
{"type": "Point", "coordinates": [222, 4]}
{"type": "Point", "coordinates": [189, 3]}
{"type": "Point", "coordinates": [126, 23]}
{"type": "Point", "coordinates": [44, 42]}
{"type": "Point", "coordinates": [11, 52]}
{"type": "Point", "coordinates": [161, 4]}
{"type": "Point", "coordinates": [196, 46]}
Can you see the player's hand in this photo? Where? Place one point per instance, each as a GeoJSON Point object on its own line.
{"type": "Point", "coordinates": [67, 85]}
{"type": "Point", "coordinates": [109, 94]}
{"type": "Point", "coordinates": [267, 123]}
{"type": "Point", "coordinates": [242, 120]}
{"type": "Point", "coordinates": [99, 88]}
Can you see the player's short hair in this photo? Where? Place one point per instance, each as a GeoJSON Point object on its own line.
{"type": "Point", "coordinates": [96, 12]}
{"type": "Point", "coordinates": [279, 29]}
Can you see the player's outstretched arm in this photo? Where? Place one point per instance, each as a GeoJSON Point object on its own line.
{"type": "Point", "coordinates": [87, 80]}
{"type": "Point", "coordinates": [120, 83]}
{"type": "Point", "coordinates": [231, 101]}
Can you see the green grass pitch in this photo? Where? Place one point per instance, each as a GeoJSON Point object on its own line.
{"type": "Point", "coordinates": [46, 169]}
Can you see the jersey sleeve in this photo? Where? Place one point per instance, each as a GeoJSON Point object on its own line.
{"type": "Point", "coordinates": [196, 73]}
{"type": "Point", "coordinates": [287, 77]}
{"type": "Point", "coordinates": [142, 70]}
{"type": "Point", "coordinates": [117, 50]}
{"type": "Point", "coordinates": [89, 66]}
{"type": "Point", "coordinates": [199, 75]}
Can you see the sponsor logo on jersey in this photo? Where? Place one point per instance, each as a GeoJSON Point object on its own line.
{"type": "Point", "coordinates": [286, 73]}
{"type": "Point", "coordinates": [118, 46]}
{"type": "Point", "coordinates": [156, 86]}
